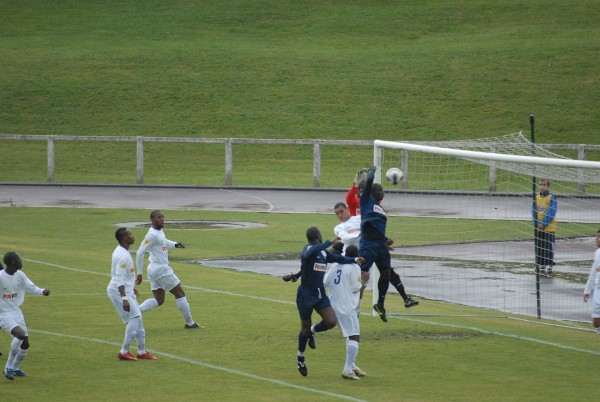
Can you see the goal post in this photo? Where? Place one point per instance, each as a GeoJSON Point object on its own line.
{"type": "Point", "coordinates": [484, 156]}
{"type": "Point", "coordinates": [461, 240]}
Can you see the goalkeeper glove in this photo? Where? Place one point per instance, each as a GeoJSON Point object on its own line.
{"type": "Point", "coordinates": [361, 177]}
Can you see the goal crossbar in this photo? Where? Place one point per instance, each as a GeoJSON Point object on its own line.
{"type": "Point", "coordinates": [461, 153]}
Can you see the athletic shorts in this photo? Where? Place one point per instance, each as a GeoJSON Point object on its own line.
{"type": "Point", "coordinates": [375, 251]}
{"type": "Point", "coordinates": [596, 303]}
{"type": "Point", "coordinates": [162, 277]}
{"type": "Point", "coordinates": [348, 323]}
{"type": "Point", "coordinates": [11, 319]}
{"type": "Point", "coordinates": [308, 300]}
{"type": "Point", "coordinates": [134, 307]}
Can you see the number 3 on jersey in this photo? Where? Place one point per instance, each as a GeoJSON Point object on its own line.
{"type": "Point", "coordinates": [338, 278]}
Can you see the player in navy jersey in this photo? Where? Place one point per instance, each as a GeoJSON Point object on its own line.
{"type": "Point", "coordinates": [311, 292]}
{"type": "Point", "coordinates": [374, 246]}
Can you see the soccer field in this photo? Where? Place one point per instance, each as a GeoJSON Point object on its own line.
{"type": "Point", "coordinates": [246, 350]}
{"type": "Point", "coordinates": [410, 71]}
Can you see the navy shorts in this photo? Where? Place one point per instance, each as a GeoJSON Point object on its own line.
{"type": "Point", "coordinates": [308, 300]}
{"type": "Point", "coordinates": [375, 251]}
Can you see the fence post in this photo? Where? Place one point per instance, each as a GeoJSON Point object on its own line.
{"type": "Point", "coordinates": [50, 158]}
{"type": "Point", "coordinates": [228, 162]}
{"type": "Point", "coordinates": [581, 157]}
{"type": "Point", "coordinates": [317, 164]}
{"type": "Point", "coordinates": [140, 160]}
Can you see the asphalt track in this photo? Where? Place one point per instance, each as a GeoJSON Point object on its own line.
{"type": "Point", "coordinates": [430, 278]}
{"type": "Point", "coordinates": [303, 200]}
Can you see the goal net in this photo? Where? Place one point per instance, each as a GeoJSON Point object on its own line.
{"type": "Point", "coordinates": [461, 219]}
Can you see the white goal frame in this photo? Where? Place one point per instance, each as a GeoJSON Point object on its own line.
{"type": "Point", "coordinates": [466, 154]}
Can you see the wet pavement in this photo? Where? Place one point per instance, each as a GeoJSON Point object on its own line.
{"type": "Point", "coordinates": [278, 200]}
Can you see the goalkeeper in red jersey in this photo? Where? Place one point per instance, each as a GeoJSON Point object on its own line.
{"type": "Point", "coordinates": [353, 194]}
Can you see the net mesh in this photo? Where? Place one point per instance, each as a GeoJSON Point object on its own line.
{"type": "Point", "coordinates": [517, 144]}
{"type": "Point", "coordinates": [459, 241]}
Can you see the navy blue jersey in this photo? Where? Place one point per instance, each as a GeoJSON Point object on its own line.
{"type": "Point", "coordinates": [371, 212]}
{"type": "Point", "coordinates": [314, 259]}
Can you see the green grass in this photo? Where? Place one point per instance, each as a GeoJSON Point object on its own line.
{"type": "Point", "coordinates": [281, 69]}
{"type": "Point", "coordinates": [335, 70]}
{"type": "Point", "coordinates": [246, 351]}
{"type": "Point", "coordinates": [287, 69]}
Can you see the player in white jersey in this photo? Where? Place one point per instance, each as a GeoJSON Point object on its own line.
{"type": "Point", "coordinates": [592, 287]}
{"type": "Point", "coordinates": [345, 284]}
{"type": "Point", "coordinates": [161, 275]}
{"type": "Point", "coordinates": [14, 284]}
{"type": "Point", "coordinates": [123, 295]}
{"type": "Point", "coordinates": [348, 230]}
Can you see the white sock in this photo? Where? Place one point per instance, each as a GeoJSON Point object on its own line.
{"type": "Point", "coordinates": [312, 329]}
{"type": "Point", "coordinates": [148, 304]}
{"type": "Point", "coordinates": [140, 336]}
{"type": "Point", "coordinates": [184, 307]}
{"type": "Point", "coordinates": [351, 352]}
{"type": "Point", "coordinates": [12, 354]}
{"type": "Point", "coordinates": [130, 331]}
{"type": "Point", "coordinates": [19, 357]}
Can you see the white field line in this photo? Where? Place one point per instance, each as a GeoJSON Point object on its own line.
{"type": "Point", "coordinates": [523, 338]}
{"type": "Point", "coordinates": [271, 206]}
{"type": "Point", "coordinates": [485, 331]}
{"type": "Point", "coordinates": [207, 365]}
{"type": "Point", "coordinates": [185, 359]}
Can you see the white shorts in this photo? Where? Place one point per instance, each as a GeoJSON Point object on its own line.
{"type": "Point", "coordinates": [596, 303]}
{"type": "Point", "coordinates": [11, 319]}
{"type": "Point", "coordinates": [349, 324]}
{"type": "Point", "coordinates": [162, 277]}
{"type": "Point", "coordinates": [134, 307]}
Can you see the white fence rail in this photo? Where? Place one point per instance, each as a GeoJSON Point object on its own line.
{"type": "Point", "coordinates": [228, 144]}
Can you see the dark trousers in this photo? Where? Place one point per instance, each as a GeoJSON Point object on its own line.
{"type": "Point", "coordinates": [544, 248]}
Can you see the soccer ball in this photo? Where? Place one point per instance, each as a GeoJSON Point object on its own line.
{"type": "Point", "coordinates": [394, 175]}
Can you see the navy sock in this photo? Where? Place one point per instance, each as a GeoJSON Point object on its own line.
{"type": "Point", "coordinates": [302, 340]}
{"type": "Point", "coordinates": [320, 327]}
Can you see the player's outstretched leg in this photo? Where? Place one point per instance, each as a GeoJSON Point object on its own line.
{"type": "Point", "coordinates": [397, 283]}
{"type": "Point", "coordinates": [382, 287]}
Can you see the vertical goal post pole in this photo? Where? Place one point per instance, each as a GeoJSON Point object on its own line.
{"type": "Point", "coordinates": [538, 293]}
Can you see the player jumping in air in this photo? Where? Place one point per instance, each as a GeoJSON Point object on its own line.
{"type": "Point", "coordinates": [375, 246]}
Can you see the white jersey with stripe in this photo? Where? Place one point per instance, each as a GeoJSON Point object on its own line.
{"type": "Point", "coordinates": [122, 271]}
{"type": "Point", "coordinates": [13, 288]}
{"type": "Point", "coordinates": [348, 231]}
{"type": "Point", "coordinates": [157, 245]}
